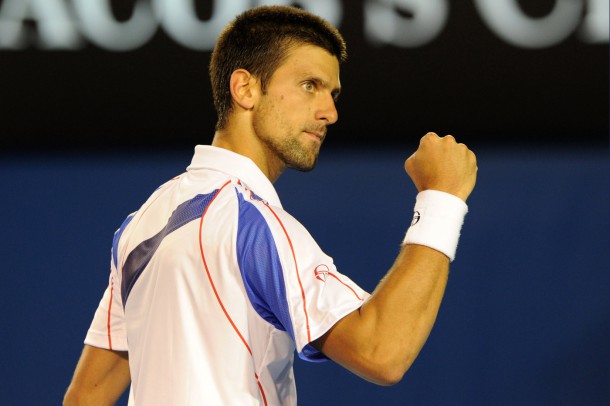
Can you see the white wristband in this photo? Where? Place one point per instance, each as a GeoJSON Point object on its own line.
{"type": "Point", "coordinates": [437, 221]}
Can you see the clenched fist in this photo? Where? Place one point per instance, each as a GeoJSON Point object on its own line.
{"type": "Point", "coordinates": [440, 163]}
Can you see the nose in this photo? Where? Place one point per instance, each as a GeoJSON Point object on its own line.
{"type": "Point", "coordinates": [327, 110]}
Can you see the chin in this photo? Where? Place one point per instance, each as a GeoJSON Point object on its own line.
{"type": "Point", "coordinates": [303, 158]}
{"type": "Point", "coordinates": [305, 169]}
{"type": "Point", "coordinates": [304, 166]}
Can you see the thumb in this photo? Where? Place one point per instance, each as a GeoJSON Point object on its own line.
{"type": "Point", "coordinates": [410, 162]}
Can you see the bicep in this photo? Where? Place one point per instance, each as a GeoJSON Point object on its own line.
{"type": "Point", "coordinates": [381, 339]}
{"type": "Point", "coordinates": [100, 378]}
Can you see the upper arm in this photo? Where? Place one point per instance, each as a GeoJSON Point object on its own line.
{"type": "Point", "coordinates": [341, 343]}
{"type": "Point", "coordinates": [100, 378]}
{"type": "Point", "coordinates": [380, 340]}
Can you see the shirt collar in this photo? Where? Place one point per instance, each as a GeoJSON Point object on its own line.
{"type": "Point", "coordinates": [239, 166]}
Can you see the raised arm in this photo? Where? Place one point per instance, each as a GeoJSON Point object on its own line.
{"type": "Point", "coordinates": [380, 341]}
{"type": "Point", "coordinates": [100, 378]}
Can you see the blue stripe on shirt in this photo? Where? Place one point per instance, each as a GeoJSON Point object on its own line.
{"type": "Point", "coordinates": [262, 273]}
{"type": "Point", "coordinates": [260, 267]}
{"type": "Point", "coordinates": [117, 237]}
{"type": "Point", "coordinates": [139, 258]}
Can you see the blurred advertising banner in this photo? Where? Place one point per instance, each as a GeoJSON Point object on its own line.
{"type": "Point", "coordinates": [70, 25]}
{"type": "Point", "coordinates": [109, 72]}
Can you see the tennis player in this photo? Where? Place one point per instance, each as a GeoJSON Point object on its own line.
{"type": "Point", "coordinates": [214, 286]}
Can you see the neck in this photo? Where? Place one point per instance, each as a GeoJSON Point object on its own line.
{"type": "Point", "coordinates": [247, 144]}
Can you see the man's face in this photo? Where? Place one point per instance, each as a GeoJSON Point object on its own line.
{"type": "Point", "coordinates": [292, 116]}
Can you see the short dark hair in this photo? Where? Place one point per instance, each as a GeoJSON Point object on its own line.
{"type": "Point", "coordinates": [258, 41]}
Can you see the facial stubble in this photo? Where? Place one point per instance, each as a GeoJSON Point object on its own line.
{"type": "Point", "coordinates": [290, 146]}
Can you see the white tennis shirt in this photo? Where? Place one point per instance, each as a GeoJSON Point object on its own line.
{"type": "Point", "coordinates": [212, 288]}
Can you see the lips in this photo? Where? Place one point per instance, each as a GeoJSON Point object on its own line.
{"type": "Point", "coordinates": [318, 134]}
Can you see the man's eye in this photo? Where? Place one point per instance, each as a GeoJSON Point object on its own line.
{"type": "Point", "coordinates": [309, 86]}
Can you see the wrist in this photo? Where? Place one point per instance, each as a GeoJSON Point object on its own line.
{"type": "Point", "coordinates": [437, 221]}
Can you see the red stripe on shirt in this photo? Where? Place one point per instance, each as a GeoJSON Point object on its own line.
{"type": "Point", "coordinates": [207, 271]}
{"type": "Point", "coordinates": [260, 387]}
{"type": "Point", "coordinates": [345, 284]}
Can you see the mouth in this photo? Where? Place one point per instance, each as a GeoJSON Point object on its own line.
{"type": "Point", "coordinates": [319, 136]}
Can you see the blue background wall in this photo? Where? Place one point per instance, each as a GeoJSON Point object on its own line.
{"type": "Point", "coordinates": [525, 319]}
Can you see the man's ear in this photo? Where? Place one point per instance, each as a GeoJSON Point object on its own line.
{"type": "Point", "coordinates": [244, 88]}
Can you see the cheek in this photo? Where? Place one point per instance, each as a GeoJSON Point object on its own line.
{"type": "Point", "coordinates": [267, 119]}
{"type": "Point", "coordinates": [293, 109]}
{"type": "Point", "coordinates": [278, 114]}
{"type": "Point", "coordinates": [284, 114]}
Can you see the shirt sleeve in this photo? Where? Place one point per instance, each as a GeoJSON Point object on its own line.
{"type": "Point", "coordinates": [289, 280]}
{"type": "Point", "coordinates": [107, 329]}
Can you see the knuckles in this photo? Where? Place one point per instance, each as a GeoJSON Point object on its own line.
{"type": "Point", "coordinates": [441, 149]}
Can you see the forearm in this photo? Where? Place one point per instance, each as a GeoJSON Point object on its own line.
{"type": "Point", "coordinates": [100, 378]}
{"type": "Point", "coordinates": [398, 318]}
{"type": "Point", "coordinates": [381, 340]}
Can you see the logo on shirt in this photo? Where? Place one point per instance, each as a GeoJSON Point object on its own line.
{"type": "Point", "coordinates": [321, 272]}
